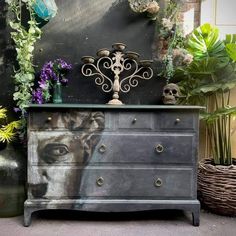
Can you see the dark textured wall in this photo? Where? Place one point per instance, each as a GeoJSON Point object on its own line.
{"type": "Point", "coordinates": [7, 54]}
{"type": "Point", "coordinates": [81, 28]}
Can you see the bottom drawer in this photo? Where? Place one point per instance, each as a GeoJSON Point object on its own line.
{"type": "Point", "coordinates": [111, 182]}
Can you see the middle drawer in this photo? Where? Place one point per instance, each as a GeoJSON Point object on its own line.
{"type": "Point", "coordinates": [77, 148]}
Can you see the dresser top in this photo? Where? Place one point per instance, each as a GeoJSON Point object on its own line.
{"type": "Point", "coordinates": [111, 107]}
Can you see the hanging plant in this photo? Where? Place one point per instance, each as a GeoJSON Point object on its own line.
{"type": "Point", "coordinates": [24, 37]}
{"type": "Point", "coordinates": [171, 52]}
{"type": "Point", "coordinates": [151, 7]}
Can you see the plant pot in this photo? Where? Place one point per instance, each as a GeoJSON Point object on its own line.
{"type": "Point", "coordinates": [217, 187]}
{"type": "Point", "coordinates": [12, 181]}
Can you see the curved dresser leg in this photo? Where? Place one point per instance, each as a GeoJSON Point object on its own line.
{"type": "Point", "coordinates": [196, 217]}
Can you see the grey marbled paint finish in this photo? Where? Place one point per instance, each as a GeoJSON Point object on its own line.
{"type": "Point", "coordinates": [111, 160]}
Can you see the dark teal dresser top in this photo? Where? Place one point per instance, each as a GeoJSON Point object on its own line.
{"type": "Point", "coordinates": [105, 106]}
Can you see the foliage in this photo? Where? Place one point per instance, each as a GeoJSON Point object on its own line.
{"type": "Point", "coordinates": [207, 81]}
{"type": "Point", "coordinates": [172, 52]}
{"type": "Point", "coordinates": [7, 131]}
{"type": "Point", "coordinates": [24, 37]}
{"type": "Point", "coordinates": [166, 13]}
{"type": "Point", "coordinates": [52, 71]}
{"type": "Point", "coordinates": [151, 7]}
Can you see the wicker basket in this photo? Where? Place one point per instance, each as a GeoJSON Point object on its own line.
{"type": "Point", "coordinates": [217, 187]}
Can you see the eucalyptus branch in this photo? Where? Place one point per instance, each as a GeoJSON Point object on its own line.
{"type": "Point", "coordinates": [24, 37]}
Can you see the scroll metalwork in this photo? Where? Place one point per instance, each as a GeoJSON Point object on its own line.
{"type": "Point", "coordinates": [126, 68]}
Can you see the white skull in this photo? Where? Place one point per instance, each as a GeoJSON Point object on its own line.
{"type": "Point", "coordinates": [171, 93]}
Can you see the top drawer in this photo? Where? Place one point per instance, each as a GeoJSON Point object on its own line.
{"type": "Point", "coordinates": [145, 120]}
{"type": "Point", "coordinates": [66, 120]}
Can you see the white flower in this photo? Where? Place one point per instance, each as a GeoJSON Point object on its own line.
{"type": "Point", "coordinates": [153, 7]}
{"type": "Point", "coordinates": [166, 22]}
{"type": "Point", "coordinates": [177, 52]}
{"type": "Point", "coordinates": [188, 59]}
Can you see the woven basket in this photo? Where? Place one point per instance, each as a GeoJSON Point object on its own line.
{"type": "Point", "coordinates": [217, 187]}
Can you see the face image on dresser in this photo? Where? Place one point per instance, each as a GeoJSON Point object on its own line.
{"type": "Point", "coordinates": [62, 154]}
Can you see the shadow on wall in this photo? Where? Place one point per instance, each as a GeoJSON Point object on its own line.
{"type": "Point", "coordinates": [7, 55]}
{"type": "Point", "coordinates": [81, 28]}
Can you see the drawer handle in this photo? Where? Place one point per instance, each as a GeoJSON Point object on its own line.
{"type": "Point", "coordinates": [49, 119]}
{"type": "Point", "coordinates": [159, 148]}
{"type": "Point", "coordinates": [134, 120]}
{"type": "Point", "coordinates": [177, 120]}
{"type": "Point", "coordinates": [158, 182]}
{"type": "Point", "coordinates": [102, 148]}
{"type": "Point", "coordinates": [100, 181]}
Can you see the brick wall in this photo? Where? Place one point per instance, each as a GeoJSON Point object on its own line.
{"type": "Point", "coordinates": [190, 14]}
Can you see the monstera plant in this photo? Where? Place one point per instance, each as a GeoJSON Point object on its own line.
{"type": "Point", "coordinates": [208, 81]}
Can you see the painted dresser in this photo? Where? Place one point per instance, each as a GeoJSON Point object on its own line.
{"type": "Point", "coordinates": [105, 158]}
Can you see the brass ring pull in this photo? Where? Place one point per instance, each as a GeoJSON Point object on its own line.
{"type": "Point", "coordinates": [102, 148]}
{"type": "Point", "coordinates": [158, 182]}
{"type": "Point", "coordinates": [134, 120]}
{"type": "Point", "coordinates": [159, 148]}
{"type": "Point", "coordinates": [100, 181]}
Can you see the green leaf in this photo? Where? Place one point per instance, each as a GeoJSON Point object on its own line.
{"type": "Point", "coordinates": [204, 42]}
{"type": "Point", "coordinates": [231, 50]}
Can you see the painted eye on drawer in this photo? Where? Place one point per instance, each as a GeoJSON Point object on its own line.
{"type": "Point", "coordinates": [59, 150]}
{"type": "Point", "coordinates": [52, 151]}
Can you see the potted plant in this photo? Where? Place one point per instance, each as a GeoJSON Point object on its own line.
{"type": "Point", "coordinates": [208, 81]}
{"type": "Point", "coordinates": [12, 169]}
{"type": "Point", "coordinates": [52, 77]}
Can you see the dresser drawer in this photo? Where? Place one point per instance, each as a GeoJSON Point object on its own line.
{"type": "Point", "coordinates": [137, 182]}
{"type": "Point", "coordinates": [59, 148]}
{"type": "Point", "coordinates": [67, 120]}
{"type": "Point", "coordinates": [112, 182]}
{"type": "Point", "coordinates": [134, 120]}
{"type": "Point", "coordinates": [175, 120]}
{"type": "Point", "coordinates": [168, 148]}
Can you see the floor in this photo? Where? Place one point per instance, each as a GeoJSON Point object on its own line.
{"type": "Point", "coordinates": [71, 223]}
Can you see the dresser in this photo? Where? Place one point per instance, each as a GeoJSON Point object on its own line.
{"type": "Point", "coordinates": [104, 158]}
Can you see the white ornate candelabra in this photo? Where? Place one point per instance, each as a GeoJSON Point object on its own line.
{"type": "Point", "coordinates": [126, 69]}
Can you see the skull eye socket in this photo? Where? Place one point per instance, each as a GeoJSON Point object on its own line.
{"type": "Point", "coordinates": [166, 91]}
{"type": "Point", "coordinates": [174, 91]}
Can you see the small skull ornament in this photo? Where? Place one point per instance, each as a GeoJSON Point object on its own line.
{"type": "Point", "coordinates": [171, 93]}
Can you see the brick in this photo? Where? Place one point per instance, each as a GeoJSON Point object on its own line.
{"type": "Point", "coordinates": [189, 6]}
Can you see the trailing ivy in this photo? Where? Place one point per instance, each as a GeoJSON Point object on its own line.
{"type": "Point", "coordinates": [24, 37]}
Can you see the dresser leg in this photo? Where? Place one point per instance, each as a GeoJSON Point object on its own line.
{"type": "Point", "coordinates": [27, 217]}
{"type": "Point", "coordinates": [196, 217]}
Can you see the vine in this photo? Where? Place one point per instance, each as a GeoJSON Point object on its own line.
{"type": "Point", "coordinates": [24, 37]}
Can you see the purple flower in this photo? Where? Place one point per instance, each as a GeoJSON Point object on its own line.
{"type": "Point", "coordinates": [16, 109]}
{"type": "Point", "coordinates": [51, 71]}
{"type": "Point", "coordinates": [42, 84]}
{"type": "Point", "coordinates": [37, 96]}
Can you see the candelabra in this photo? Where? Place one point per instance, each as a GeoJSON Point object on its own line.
{"type": "Point", "coordinates": [124, 67]}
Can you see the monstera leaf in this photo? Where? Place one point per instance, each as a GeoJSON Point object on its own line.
{"type": "Point", "coordinates": [204, 42]}
{"type": "Point", "coordinates": [230, 44]}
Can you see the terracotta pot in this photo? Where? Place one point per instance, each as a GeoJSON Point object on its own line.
{"type": "Point", "coordinates": [217, 187]}
{"type": "Point", "coordinates": [12, 181]}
